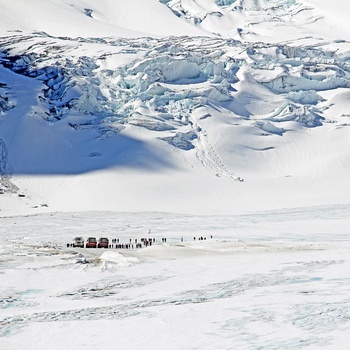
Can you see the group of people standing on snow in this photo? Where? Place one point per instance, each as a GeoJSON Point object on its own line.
{"type": "Point", "coordinates": [145, 242]}
{"type": "Point", "coordinates": [201, 238]}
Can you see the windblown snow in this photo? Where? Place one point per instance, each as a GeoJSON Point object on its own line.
{"type": "Point", "coordinates": [116, 116]}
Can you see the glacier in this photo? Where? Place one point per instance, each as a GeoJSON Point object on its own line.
{"type": "Point", "coordinates": [217, 128]}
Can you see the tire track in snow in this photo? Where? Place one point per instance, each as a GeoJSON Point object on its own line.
{"type": "Point", "coordinates": [207, 155]}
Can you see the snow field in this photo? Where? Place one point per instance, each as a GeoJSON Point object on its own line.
{"type": "Point", "coordinates": [120, 118]}
{"type": "Point", "coordinates": [175, 114]}
{"type": "Point", "coordinates": [260, 282]}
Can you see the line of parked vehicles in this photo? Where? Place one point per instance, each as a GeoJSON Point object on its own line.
{"type": "Point", "coordinates": [91, 242]}
{"type": "Point", "coordinates": [103, 242]}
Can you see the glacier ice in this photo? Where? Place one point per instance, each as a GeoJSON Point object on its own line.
{"type": "Point", "coordinates": [158, 83]}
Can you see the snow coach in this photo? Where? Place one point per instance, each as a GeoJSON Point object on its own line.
{"type": "Point", "coordinates": [103, 243]}
{"type": "Point", "coordinates": [91, 242]}
{"type": "Point", "coordinates": [78, 242]}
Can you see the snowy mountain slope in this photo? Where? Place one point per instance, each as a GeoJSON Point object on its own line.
{"type": "Point", "coordinates": [269, 21]}
{"type": "Point", "coordinates": [247, 20]}
{"type": "Point", "coordinates": [88, 18]}
{"type": "Point", "coordinates": [200, 124]}
{"type": "Point", "coordinates": [125, 119]}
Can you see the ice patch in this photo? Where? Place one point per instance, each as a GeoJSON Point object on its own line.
{"type": "Point", "coordinates": [307, 115]}
{"type": "Point", "coordinates": [182, 140]}
{"type": "Point", "coordinates": [305, 97]}
{"type": "Point", "coordinates": [269, 127]}
{"type": "Point", "coordinates": [225, 2]}
{"type": "Point", "coordinates": [113, 259]}
{"type": "Point", "coordinates": [17, 299]}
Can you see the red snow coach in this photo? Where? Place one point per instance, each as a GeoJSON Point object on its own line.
{"type": "Point", "coordinates": [91, 242]}
{"type": "Point", "coordinates": [103, 243]}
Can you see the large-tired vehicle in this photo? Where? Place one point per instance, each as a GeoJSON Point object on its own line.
{"type": "Point", "coordinates": [78, 242]}
{"type": "Point", "coordinates": [91, 242]}
{"type": "Point", "coordinates": [103, 243]}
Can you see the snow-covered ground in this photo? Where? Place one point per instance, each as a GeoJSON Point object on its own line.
{"type": "Point", "coordinates": [177, 119]}
{"type": "Point", "coordinates": [103, 117]}
{"type": "Point", "coordinates": [269, 280]}
{"type": "Point", "coordinates": [173, 124]}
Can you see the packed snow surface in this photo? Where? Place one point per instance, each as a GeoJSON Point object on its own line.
{"type": "Point", "coordinates": [269, 280]}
